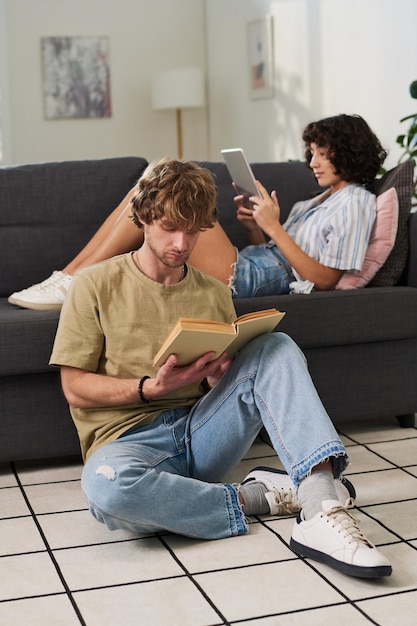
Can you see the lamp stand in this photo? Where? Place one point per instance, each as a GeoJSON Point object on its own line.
{"type": "Point", "coordinates": [179, 133]}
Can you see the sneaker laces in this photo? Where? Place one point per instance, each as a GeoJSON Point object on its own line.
{"type": "Point", "coordinates": [346, 523]}
{"type": "Point", "coordinates": [56, 279]}
{"type": "Point", "coordinates": [286, 501]}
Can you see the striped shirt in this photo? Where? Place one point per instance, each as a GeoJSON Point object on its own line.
{"type": "Point", "coordinates": [334, 229]}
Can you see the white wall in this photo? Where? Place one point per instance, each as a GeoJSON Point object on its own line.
{"type": "Point", "coordinates": [5, 135]}
{"type": "Point", "coordinates": [331, 56]}
{"type": "Point", "coordinates": [146, 36]}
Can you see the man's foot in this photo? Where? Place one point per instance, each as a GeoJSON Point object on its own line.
{"type": "Point", "coordinates": [333, 537]}
{"type": "Point", "coordinates": [49, 294]}
{"type": "Point", "coordinates": [280, 490]}
{"type": "Point", "coordinates": [281, 493]}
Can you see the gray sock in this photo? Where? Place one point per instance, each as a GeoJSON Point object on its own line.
{"type": "Point", "coordinates": [253, 494]}
{"type": "Point", "coordinates": [313, 490]}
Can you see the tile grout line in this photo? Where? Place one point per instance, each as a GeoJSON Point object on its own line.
{"type": "Point", "coordinates": [47, 546]}
{"type": "Point", "coordinates": [192, 580]}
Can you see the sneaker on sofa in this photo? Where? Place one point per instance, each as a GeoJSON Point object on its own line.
{"type": "Point", "coordinates": [281, 493]}
{"type": "Point", "coordinates": [49, 294]}
{"type": "Point", "coordinates": [333, 537]}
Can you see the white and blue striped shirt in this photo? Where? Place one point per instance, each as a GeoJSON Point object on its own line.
{"type": "Point", "coordinates": [334, 229]}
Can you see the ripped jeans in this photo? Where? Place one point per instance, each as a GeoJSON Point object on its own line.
{"type": "Point", "coordinates": [167, 476]}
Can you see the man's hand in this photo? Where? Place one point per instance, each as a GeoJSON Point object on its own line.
{"type": "Point", "coordinates": [170, 377]}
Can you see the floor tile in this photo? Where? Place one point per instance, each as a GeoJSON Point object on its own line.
{"type": "Point", "coordinates": [7, 478]}
{"type": "Point", "coordinates": [78, 528]}
{"type": "Point", "coordinates": [116, 564]}
{"type": "Point", "coordinates": [12, 503]}
{"type": "Point", "coordinates": [401, 453]}
{"type": "Point", "coordinates": [384, 486]}
{"type": "Point", "coordinates": [340, 615]}
{"type": "Point", "coordinates": [28, 575]}
{"type": "Point", "coordinates": [174, 602]}
{"type": "Point", "coordinates": [396, 609]}
{"type": "Point", "coordinates": [368, 431]}
{"type": "Point", "coordinates": [363, 460]}
{"type": "Point", "coordinates": [253, 591]}
{"type": "Point", "coordinates": [53, 497]}
{"type": "Point", "coordinates": [399, 517]}
{"type": "Point", "coordinates": [259, 546]}
{"type": "Point", "coordinates": [412, 470]}
{"type": "Point", "coordinates": [50, 471]}
{"type": "Point", "coordinates": [18, 536]}
{"type": "Point", "coordinates": [56, 610]}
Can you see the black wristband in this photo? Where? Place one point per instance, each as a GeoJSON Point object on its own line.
{"type": "Point", "coordinates": [140, 389]}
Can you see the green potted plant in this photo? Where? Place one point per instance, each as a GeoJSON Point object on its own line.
{"type": "Point", "coordinates": [408, 140]}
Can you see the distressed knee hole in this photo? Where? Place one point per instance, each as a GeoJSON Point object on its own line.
{"type": "Point", "coordinates": [107, 471]}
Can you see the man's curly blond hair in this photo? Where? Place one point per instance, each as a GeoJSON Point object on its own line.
{"type": "Point", "coordinates": [182, 193]}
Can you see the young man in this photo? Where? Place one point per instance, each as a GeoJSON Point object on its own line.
{"type": "Point", "coordinates": [159, 442]}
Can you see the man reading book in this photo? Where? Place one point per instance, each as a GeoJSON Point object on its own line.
{"type": "Point", "coordinates": [159, 441]}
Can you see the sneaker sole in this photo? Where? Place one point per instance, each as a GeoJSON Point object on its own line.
{"type": "Point", "coordinates": [340, 566]}
{"type": "Point", "coordinates": [35, 306]}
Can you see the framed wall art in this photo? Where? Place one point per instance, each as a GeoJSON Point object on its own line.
{"type": "Point", "coordinates": [260, 58]}
{"type": "Point", "coordinates": [76, 77]}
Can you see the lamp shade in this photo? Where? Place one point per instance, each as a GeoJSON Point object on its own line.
{"type": "Point", "coordinates": [180, 88]}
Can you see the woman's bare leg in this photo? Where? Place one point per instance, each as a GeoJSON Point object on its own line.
{"type": "Point", "coordinates": [214, 254]}
{"type": "Point", "coordinates": [116, 235]}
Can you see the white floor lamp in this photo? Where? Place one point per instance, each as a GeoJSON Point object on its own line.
{"type": "Point", "coordinates": [178, 89]}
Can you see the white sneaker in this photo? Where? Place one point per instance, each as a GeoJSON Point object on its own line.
{"type": "Point", "coordinates": [281, 493]}
{"type": "Point", "coordinates": [333, 537]}
{"type": "Point", "coordinates": [49, 294]}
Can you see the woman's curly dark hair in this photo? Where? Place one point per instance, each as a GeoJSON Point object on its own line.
{"type": "Point", "coordinates": [353, 149]}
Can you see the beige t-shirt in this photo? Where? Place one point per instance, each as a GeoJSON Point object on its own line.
{"type": "Point", "coordinates": [113, 322]}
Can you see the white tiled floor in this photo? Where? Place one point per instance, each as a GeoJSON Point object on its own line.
{"type": "Point", "coordinates": [58, 567]}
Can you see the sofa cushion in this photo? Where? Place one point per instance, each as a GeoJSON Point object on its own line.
{"type": "Point", "coordinates": [49, 211]}
{"type": "Point", "coordinates": [380, 244]}
{"type": "Point", "coordinates": [400, 177]}
{"type": "Point", "coordinates": [342, 317]}
{"type": "Point", "coordinates": [27, 339]}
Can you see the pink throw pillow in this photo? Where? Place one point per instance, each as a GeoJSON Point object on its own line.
{"type": "Point", "coordinates": [380, 244]}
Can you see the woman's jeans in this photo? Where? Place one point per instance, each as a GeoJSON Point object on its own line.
{"type": "Point", "coordinates": [167, 476]}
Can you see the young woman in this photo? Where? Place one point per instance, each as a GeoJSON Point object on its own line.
{"type": "Point", "coordinates": [322, 237]}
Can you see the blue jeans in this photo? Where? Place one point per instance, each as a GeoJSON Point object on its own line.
{"type": "Point", "coordinates": [167, 476]}
{"type": "Point", "coordinates": [261, 270]}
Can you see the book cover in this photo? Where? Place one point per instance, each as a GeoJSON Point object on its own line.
{"type": "Point", "coordinates": [191, 338]}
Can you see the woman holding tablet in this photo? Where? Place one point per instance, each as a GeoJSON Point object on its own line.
{"type": "Point", "coordinates": [322, 237]}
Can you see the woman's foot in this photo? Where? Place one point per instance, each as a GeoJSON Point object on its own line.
{"type": "Point", "coordinates": [49, 294]}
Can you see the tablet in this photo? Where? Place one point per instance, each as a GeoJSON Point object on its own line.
{"type": "Point", "coordinates": [241, 174]}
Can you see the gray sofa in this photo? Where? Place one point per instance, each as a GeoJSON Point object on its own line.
{"type": "Point", "coordinates": [361, 345]}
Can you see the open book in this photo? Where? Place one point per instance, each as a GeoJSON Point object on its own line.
{"type": "Point", "coordinates": [191, 338]}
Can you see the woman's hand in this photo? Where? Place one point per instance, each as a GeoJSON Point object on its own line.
{"type": "Point", "coordinates": [245, 217]}
{"type": "Point", "coordinates": [266, 210]}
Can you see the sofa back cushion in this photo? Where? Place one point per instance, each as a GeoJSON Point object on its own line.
{"type": "Point", "coordinates": [293, 181]}
{"type": "Point", "coordinates": [49, 211]}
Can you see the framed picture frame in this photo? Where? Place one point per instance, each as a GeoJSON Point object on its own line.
{"type": "Point", "coordinates": [76, 77]}
{"type": "Point", "coordinates": [260, 58]}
